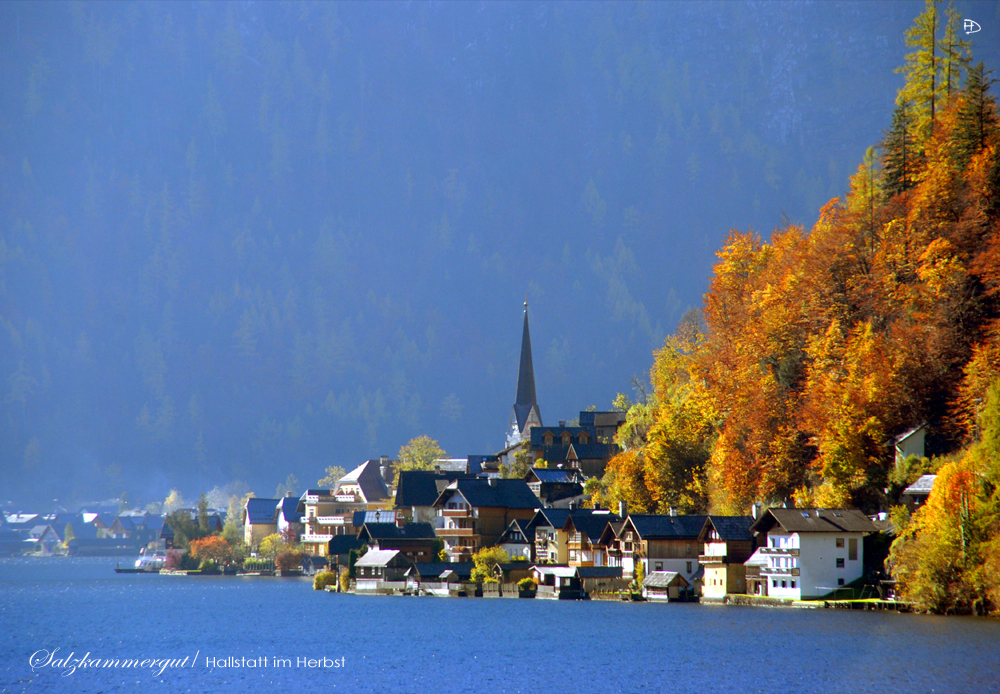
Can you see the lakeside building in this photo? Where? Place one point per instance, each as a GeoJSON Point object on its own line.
{"type": "Point", "coordinates": [476, 512]}
{"type": "Point", "coordinates": [728, 543]}
{"type": "Point", "coordinates": [661, 543]}
{"type": "Point", "coordinates": [330, 512]}
{"type": "Point", "coordinates": [810, 552]}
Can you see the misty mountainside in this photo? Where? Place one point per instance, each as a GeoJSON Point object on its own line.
{"type": "Point", "coordinates": [241, 240]}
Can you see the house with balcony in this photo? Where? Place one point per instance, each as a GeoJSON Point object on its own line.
{"type": "Point", "coordinates": [416, 492]}
{"type": "Point", "coordinates": [661, 543]}
{"type": "Point", "coordinates": [551, 542]}
{"type": "Point", "coordinates": [476, 512]}
{"type": "Point", "coordinates": [810, 552]}
{"type": "Point", "coordinates": [584, 529]}
{"type": "Point", "coordinates": [330, 512]}
{"type": "Point", "coordinates": [728, 543]}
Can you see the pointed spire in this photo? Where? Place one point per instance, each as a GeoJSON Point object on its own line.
{"type": "Point", "coordinates": [526, 371]}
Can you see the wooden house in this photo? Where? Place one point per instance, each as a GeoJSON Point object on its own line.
{"type": "Point", "coordinates": [476, 512]}
{"type": "Point", "coordinates": [728, 543]}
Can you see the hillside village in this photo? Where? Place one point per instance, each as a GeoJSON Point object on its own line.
{"type": "Point", "coordinates": [467, 526]}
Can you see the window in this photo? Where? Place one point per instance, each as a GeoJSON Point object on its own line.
{"type": "Point", "coordinates": [774, 583]}
{"type": "Point", "coordinates": [689, 567]}
{"type": "Point", "coordinates": [793, 584]}
{"type": "Point", "coordinates": [852, 549]}
{"type": "Point", "coordinates": [840, 562]}
{"type": "Point", "coordinates": [688, 549]}
{"type": "Point", "coordinates": [659, 566]}
{"type": "Point", "coordinates": [840, 543]}
{"type": "Point", "coordinates": [840, 581]}
{"type": "Point", "coordinates": [783, 584]}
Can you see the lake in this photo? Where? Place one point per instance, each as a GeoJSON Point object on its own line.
{"type": "Point", "coordinates": [424, 644]}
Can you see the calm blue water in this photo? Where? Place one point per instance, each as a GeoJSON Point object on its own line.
{"type": "Point", "coordinates": [424, 645]}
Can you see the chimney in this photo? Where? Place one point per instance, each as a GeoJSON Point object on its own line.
{"type": "Point", "coordinates": [623, 508]}
{"type": "Point", "coordinates": [562, 423]}
{"type": "Point", "coordinates": [437, 469]}
{"type": "Point", "coordinates": [492, 481]}
{"type": "Point", "coordinates": [673, 511]}
{"type": "Point", "coordinates": [572, 506]}
{"type": "Point", "coordinates": [755, 510]}
{"type": "Point", "coordinates": [288, 493]}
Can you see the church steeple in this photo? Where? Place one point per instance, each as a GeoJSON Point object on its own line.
{"type": "Point", "coordinates": [525, 371]}
{"type": "Point", "coordinates": [526, 413]}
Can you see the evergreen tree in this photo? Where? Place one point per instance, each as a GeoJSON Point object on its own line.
{"type": "Point", "coordinates": [977, 116]}
{"type": "Point", "coordinates": [900, 150]}
{"type": "Point", "coordinates": [921, 70]}
{"type": "Point", "coordinates": [956, 53]}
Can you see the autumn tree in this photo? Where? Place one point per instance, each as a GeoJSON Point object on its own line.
{"type": "Point", "coordinates": [419, 454]}
{"type": "Point", "coordinates": [487, 561]}
{"type": "Point", "coordinates": [333, 475]}
{"type": "Point", "coordinates": [922, 66]}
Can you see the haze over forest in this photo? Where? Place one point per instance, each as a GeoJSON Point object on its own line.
{"type": "Point", "coordinates": [241, 240]}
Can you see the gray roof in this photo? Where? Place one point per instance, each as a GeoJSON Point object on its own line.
{"type": "Point", "coordinates": [664, 579]}
{"type": "Point", "coordinates": [652, 527]}
{"type": "Point", "coordinates": [495, 493]}
{"type": "Point", "coordinates": [730, 528]}
{"type": "Point", "coordinates": [361, 517]}
{"type": "Point", "coordinates": [391, 531]}
{"type": "Point", "coordinates": [422, 487]}
{"type": "Point", "coordinates": [368, 476]}
{"type": "Point", "coordinates": [377, 557]}
{"type": "Point", "coordinates": [287, 508]}
{"type": "Point", "coordinates": [261, 511]}
{"type": "Point", "coordinates": [814, 520]}
{"type": "Point", "coordinates": [922, 486]}
{"type": "Point", "coordinates": [909, 432]}
{"type": "Point", "coordinates": [430, 571]}
{"type": "Point", "coordinates": [591, 522]}
{"type": "Point", "coordinates": [556, 476]}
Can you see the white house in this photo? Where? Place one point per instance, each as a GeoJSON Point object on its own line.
{"type": "Point", "coordinates": [911, 443]}
{"type": "Point", "coordinates": [811, 552]}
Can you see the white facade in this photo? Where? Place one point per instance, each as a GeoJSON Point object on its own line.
{"type": "Point", "coordinates": [811, 565]}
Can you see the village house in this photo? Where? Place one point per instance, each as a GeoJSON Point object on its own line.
{"type": "Point", "coordinates": [556, 488]}
{"type": "Point", "coordinates": [575, 448]}
{"type": "Point", "coordinates": [329, 512]}
{"type": "Point", "coordinates": [378, 566]}
{"type": "Point", "coordinates": [516, 540]}
{"type": "Point", "coordinates": [415, 540]}
{"type": "Point", "coordinates": [583, 529]}
{"type": "Point", "coordinates": [664, 585]}
{"type": "Point", "coordinates": [811, 552]}
{"type": "Point", "coordinates": [915, 496]}
{"type": "Point", "coordinates": [258, 520]}
{"type": "Point", "coordinates": [287, 518]}
{"type": "Point", "coordinates": [416, 492]}
{"type": "Point", "coordinates": [728, 543]}
{"type": "Point", "coordinates": [476, 512]}
{"type": "Point", "coordinates": [661, 543]}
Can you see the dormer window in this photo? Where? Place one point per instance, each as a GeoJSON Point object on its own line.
{"type": "Point", "coordinates": [548, 438]}
{"type": "Point", "coordinates": [584, 438]}
{"type": "Point", "coordinates": [566, 438]}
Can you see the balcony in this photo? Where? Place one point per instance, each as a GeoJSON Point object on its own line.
{"type": "Point", "coordinates": [333, 520]}
{"type": "Point", "coordinates": [456, 512]}
{"type": "Point", "coordinates": [316, 537]}
{"type": "Point", "coordinates": [713, 558]}
{"type": "Point", "coordinates": [455, 532]}
{"type": "Point", "coordinates": [775, 571]}
{"type": "Point", "coordinates": [348, 499]}
{"type": "Point", "coordinates": [780, 551]}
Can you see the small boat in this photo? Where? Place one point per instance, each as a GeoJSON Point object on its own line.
{"type": "Point", "coordinates": [152, 562]}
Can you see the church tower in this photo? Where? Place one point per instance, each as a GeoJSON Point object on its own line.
{"type": "Point", "coordinates": [526, 413]}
